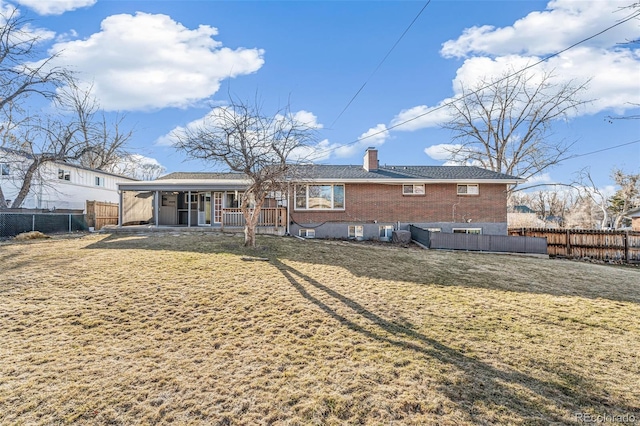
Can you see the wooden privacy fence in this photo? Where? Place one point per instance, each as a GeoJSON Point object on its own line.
{"type": "Point", "coordinates": [587, 243]}
{"type": "Point", "coordinates": [100, 214]}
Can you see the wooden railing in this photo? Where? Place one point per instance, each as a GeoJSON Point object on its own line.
{"type": "Point", "coordinates": [268, 217]}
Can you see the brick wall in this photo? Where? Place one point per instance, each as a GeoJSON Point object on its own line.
{"type": "Point", "coordinates": [386, 203]}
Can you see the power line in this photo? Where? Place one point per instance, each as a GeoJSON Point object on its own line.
{"type": "Point", "coordinates": [603, 149]}
{"type": "Point", "coordinates": [546, 58]}
{"type": "Point", "coordinates": [380, 64]}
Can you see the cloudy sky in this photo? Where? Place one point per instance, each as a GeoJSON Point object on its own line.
{"type": "Point", "coordinates": [166, 64]}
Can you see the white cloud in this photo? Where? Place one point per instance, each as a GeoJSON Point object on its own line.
{"type": "Point", "coordinates": [421, 116]}
{"type": "Point", "coordinates": [147, 61]}
{"type": "Point", "coordinates": [307, 118]}
{"type": "Point", "coordinates": [55, 7]}
{"type": "Point", "coordinates": [539, 179]}
{"type": "Point", "coordinates": [491, 52]}
{"type": "Point", "coordinates": [564, 23]}
{"type": "Point", "coordinates": [441, 151]}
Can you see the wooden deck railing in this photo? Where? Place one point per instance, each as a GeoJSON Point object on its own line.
{"type": "Point", "coordinates": [268, 217]}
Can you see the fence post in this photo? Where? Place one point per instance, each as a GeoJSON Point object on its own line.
{"type": "Point", "coordinates": [626, 246]}
{"type": "Point", "coordinates": [69, 222]}
{"type": "Point", "coordinates": [33, 222]}
{"type": "Point", "coordinates": [568, 243]}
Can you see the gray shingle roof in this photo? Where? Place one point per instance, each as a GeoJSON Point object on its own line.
{"type": "Point", "coordinates": [203, 175]}
{"type": "Point", "coordinates": [399, 172]}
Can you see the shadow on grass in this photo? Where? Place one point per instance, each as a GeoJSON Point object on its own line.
{"type": "Point", "coordinates": [387, 262]}
{"type": "Point", "coordinates": [484, 383]}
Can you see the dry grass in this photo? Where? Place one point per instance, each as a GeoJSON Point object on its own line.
{"type": "Point", "coordinates": [179, 329]}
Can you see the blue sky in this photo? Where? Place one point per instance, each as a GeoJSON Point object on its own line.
{"type": "Point", "coordinates": [166, 63]}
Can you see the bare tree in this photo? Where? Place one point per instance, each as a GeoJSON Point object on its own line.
{"type": "Point", "coordinates": [106, 140]}
{"type": "Point", "coordinates": [591, 195]}
{"type": "Point", "coordinates": [504, 124]}
{"type": "Point", "coordinates": [22, 75]}
{"type": "Point", "coordinates": [626, 198]}
{"type": "Point", "coordinates": [242, 138]}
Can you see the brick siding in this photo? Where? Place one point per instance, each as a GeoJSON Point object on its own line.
{"type": "Point", "coordinates": [386, 203]}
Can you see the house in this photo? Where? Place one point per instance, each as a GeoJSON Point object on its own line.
{"type": "Point", "coordinates": [56, 185]}
{"type": "Point", "coordinates": [333, 201]}
{"type": "Point", "coordinates": [635, 219]}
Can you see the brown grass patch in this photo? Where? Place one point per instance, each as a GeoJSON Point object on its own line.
{"type": "Point", "coordinates": [177, 328]}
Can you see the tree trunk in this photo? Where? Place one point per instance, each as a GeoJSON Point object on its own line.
{"type": "Point", "coordinates": [26, 185]}
{"type": "Point", "coordinates": [3, 201]}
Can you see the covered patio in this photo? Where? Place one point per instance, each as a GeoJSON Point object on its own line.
{"type": "Point", "coordinates": [194, 203]}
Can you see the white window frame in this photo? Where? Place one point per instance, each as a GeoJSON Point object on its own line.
{"type": "Point", "coordinates": [306, 199]}
{"type": "Point", "coordinates": [355, 231]}
{"type": "Point", "coordinates": [467, 186]}
{"type": "Point", "coordinates": [475, 231]}
{"type": "Point", "coordinates": [5, 169]}
{"type": "Point", "coordinates": [64, 175]}
{"type": "Point", "coordinates": [434, 229]}
{"type": "Point", "coordinates": [415, 189]}
{"type": "Point", "coordinates": [385, 232]}
{"type": "Point", "coordinates": [307, 233]}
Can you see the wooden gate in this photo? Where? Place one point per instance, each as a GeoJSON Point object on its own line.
{"type": "Point", "coordinates": [100, 214]}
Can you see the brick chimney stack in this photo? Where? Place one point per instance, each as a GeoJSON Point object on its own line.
{"type": "Point", "coordinates": [371, 159]}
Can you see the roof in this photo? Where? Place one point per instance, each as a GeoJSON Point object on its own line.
{"type": "Point", "coordinates": [29, 156]}
{"type": "Point", "coordinates": [203, 175]}
{"type": "Point", "coordinates": [389, 174]}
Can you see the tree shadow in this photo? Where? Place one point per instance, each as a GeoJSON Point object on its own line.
{"type": "Point", "coordinates": [419, 266]}
{"type": "Point", "coordinates": [484, 382]}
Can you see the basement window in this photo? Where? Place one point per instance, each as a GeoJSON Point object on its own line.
{"type": "Point", "coordinates": [99, 181]}
{"type": "Point", "coordinates": [307, 233]}
{"type": "Point", "coordinates": [355, 231]}
{"type": "Point", "coordinates": [468, 190]}
{"type": "Point", "coordinates": [476, 231]}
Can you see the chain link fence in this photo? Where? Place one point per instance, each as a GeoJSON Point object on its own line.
{"type": "Point", "coordinates": [12, 224]}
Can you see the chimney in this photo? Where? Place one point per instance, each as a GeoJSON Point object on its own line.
{"type": "Point", "coordinates": [371, 159]}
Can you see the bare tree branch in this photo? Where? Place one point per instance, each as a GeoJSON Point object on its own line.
{"type": "Point", "coordinates": [244, 139]}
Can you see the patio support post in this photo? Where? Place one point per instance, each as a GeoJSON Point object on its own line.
{"type": "Point", "coordinates": [121, 198]}
{"type": "Point", "coordinates": [156, 203]}
{"type": "Point", "coordinates": [189, 209]}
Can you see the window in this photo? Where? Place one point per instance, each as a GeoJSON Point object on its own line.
{"type": "Point", "coordinates": [355, 231]}
{"type": "Point", "coordinates": [467, 231]}
{"type": "Point", "coordinates": [434, 229]}
{"type": "Point", "coordinates": [194, 197]}
{"type": "Point", "coordinates": [468, 190]}
{"type": "Point", "coordinates": [5, 169]}
{"type": "Point", "coordinates": [99, 181]}
{"type": "Point", "coordinates": [412, 189]}
{"type": "Point", "coordinates": [319, 197]}
{"type": "Point", "coordinates": [307, 233]}
{"type": "Point", "coordinates": [385, 232]}
{"type": "Point", "coordinates": [64, 174]}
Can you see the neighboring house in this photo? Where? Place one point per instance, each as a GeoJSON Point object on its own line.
{"type": "Point", "coordinates": [635, 219]}
{"type": "Point", "coordinates": [330, 201]}
{"type": "Point", "coordinates": [56, 185]}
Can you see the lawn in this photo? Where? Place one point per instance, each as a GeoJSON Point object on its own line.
{"type": "Point", "coordinates": [194, 329]}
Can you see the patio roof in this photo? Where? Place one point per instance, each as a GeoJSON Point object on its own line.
{"type": "Point", "coordinates": [186, 185]}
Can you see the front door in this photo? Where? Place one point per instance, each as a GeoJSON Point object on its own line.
{"type": "Point", "coordinates": [217, 207]}
{"type": "Point", "coordinates": [204, 208]}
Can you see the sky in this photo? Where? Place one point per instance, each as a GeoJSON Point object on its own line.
{"type": "Point", "coordinates": [167, 64]}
